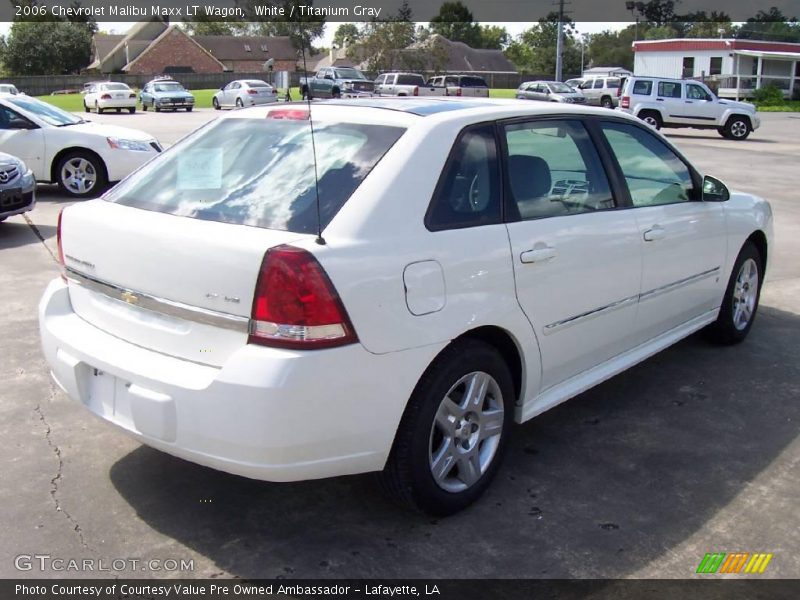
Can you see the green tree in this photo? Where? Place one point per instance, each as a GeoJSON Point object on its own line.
{"type": "Point", "coordinates": [47, 48]}
{"type": "Point", "coordinates": [346, 34]}
{"type": "Point", "coordinates": [771, 25]}
{"type": "Point", "coordinates": [611, 48]}
{"type": "Point", "coordinates": [494, 37]}
{"type": "Point", "coordinates": [454, 21]}
{"type": "Point", "coordinates": [534, 50]}
{"type": "Point", "coordinates": [382, 40]}
{"type": "Point", "coordinates": [302, 30]}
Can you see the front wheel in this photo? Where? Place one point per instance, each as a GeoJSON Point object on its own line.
{"type": "Point", "coordinates": [651, 118]}
{"type": "Point", "coordinates": [215, 103]}
{"type": "Point", "coordinates": [740, 303]}
{"type": "Point", "coordinates": [98, 109]}
{"type": "Point", "coordinates": [454, 431]}
{"type": "Point", "coordinates": [86, 108]}
{"type": "Point", "coordinates": [144, 107]}
{"type": "Point", "coordinates": [189, 108]}
{"type": "Point", "coordinates": [737, 128]}
{"type": "Point", "coordinates": [81, 174]}
{"type": "Point", "coordinates": [239, 103]}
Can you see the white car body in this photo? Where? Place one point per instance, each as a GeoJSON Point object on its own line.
{"type": "Point", "coordinates": [42, 145]}
{"type": "Point", "coordinates": [109, 95]}
{"type": "Point", "coordinates": [244, 93]}
{"type": "Point", "coordinates": [8, 88]}
{"type": "Point", "coordinates": [578, 298]}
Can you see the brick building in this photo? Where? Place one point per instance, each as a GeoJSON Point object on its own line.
{"type": "Point", "coordinates": [157, 47]}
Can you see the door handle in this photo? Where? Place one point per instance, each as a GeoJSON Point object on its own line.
{"type": "Point", "coordinates": [689, 102]}
{"type": "Point", "coordinates": [655, 233]}
{"type": "Point", "coordinates": [538, 254]}
{"type": "Point", "coordinates": [659, 99]}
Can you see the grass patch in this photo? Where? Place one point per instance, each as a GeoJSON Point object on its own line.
{"type": "Point", "coordinates": [787, 106]}
{"type": "Point", "coordinates": [68, 102]}
{"type": "Point", "coordinates": [499, 93]}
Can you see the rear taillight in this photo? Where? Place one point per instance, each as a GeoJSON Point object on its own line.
{"type": "Point", "coordinates": [292, 114]}
{"type": "Point", "coordinates": [59, 245]}
{"type": "Point", "coordinates": [105, 97]}
{"type": "Point", "coordinates": [252, 92]}
{"type": "Point", "coordinates": [131, 95]}
{"type": "Point", "coordinates": [625, 102]}
{"type": "Point", "coordinates": [296, 305]}
{"type": "Point", "coordinates": [458, 92]}
{"type": "Point", "coordinates": [416, 90]}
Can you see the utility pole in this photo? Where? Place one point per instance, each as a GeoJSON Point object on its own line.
{"type": "Point", "coordinates": [560, 42]}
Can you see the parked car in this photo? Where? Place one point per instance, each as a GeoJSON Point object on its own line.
{"type": "Point", "coordinates": [163, 93]}
{"type": "Point", "coordinates": [244, 92]}
{"type": "Point", "coordinates": [549, 91]}
{"type": "Point", "coordinates": [237, 340]}
{"type": "Point", "coordinates": [338, 82]}
{"type": "Point", "coordinates": [81, 157]}
{"type": "Point", "coordinates": [601, 90]}
{"type": "Point", "coordinates": [8, 88]}
{"type": "Point", "coordinates": [662, 102]}
{"type": "Point", "coordinates": [109, 95]}
{"type": "Point", "coordinates": [403, 84]}
{"type": "Point", "coordinates": [17, 187]}
{"type": "Point", "coordinates": [470, 86]}
{"type": "Point", "coordinates": [574, 83]}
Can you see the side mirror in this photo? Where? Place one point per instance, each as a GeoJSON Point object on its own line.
{"type": "Point", "coordinates": [20, 124]}
{"type": "Point", "coordinates": [714, 190]}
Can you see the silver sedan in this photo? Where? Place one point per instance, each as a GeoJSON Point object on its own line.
{"type": "Point", "coordinates": [244, 92]}
{"type": "Point", "coordinates": [17, 193]}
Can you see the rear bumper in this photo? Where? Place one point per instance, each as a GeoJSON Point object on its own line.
{"type": "Point", "coordinates": [122, 103]}
{"type": "Point", "coordinates": [270, 414]}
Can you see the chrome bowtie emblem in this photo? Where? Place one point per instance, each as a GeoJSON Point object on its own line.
{"type": "Point", "coordinates": [129, 297]}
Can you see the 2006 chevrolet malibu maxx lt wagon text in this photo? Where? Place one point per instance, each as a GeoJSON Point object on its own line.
{"type": "Point", "coordinates": [479, 262]}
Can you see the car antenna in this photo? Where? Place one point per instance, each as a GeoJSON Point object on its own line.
{"type": "Point", "coordinates": [320, 240]}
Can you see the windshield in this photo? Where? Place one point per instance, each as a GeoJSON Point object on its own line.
{"type": "Point", "coordinates": [116, 87]}
{"type": "Point", "coordinates": [259, 172]}
{"type": "Point", "coordinates": [560, 88]}
{"type": "Point", "coordinates": [173, 86]}
{"type": "Point", "coordinates": [46, 112]}
{"type": "Point", "coordinates": [349, 74]}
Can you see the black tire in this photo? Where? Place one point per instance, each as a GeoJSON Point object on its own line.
{"type": "Point", "coordinates": [98, 109]}
{"type": "Point", "coordinates": [119, 110]}
{"type": "Point", "coordinates": [722, 132]}
{"type": "Point", "coordinates": [98, 170]}
{"type": "Point", "coordinates": [738, 128]}
{"type": "Point", "coordinates": [132, 110]}
{"type": "Point", "coordinates": [189, 108]}
{"type": "Point", "coordinates": [407, 477]}
{"type": "Point", "coordinates": [86, 108]}
{"type": "Point", "coordinates": [336, 93]}
{"type": "Point", "coordinates": [144, 107]}
{"type": "Point", "coordinates": [652, 118]}
{"type": "Point", "coordinates": [239, 103]}
{"type": "Point", "coordinates": [728, 328]}
{"type": "Point", "coordinates": [156, 108]}
{"type": "Point", "coordinates": [215, 103]}
{"type": "Point", "coordinates": [606, 102]}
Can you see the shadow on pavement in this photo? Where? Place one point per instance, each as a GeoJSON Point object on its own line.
{"type": "Point", "coordinates": [18, 233]}
{"type": "Point", "coordinates": [597, 487]}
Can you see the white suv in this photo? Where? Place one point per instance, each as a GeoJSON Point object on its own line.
{"type": "Point", "coordinates": [662, 102]}
{"type": "Point", "coordinates": [455, 266]}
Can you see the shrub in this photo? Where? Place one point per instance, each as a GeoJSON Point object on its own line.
{"type": "Point", "coordinates": [769, 96]}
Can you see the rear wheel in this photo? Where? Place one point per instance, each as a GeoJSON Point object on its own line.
{"type": "Point", "coordinates": [132, 109]}
{"type": "Point", "coordinates": [119, 110]}
{"type": "Point", "coordinates": [652, 118]}
{"type": "Point", "coordinates": [144, 107]}
{"type": "Point", "coordinates": [86, 108]}
{"type": "Point", "coordinates": [606, 102]}
{"type": "Point", "coordinates": [239, 103]}
{"type": "Point", "coordinates": [98, 109]}
{"type": "Point", "coordinates": [336, 93]}
{"type": "Point", "coordinates": [739, 306]}
{"type": "Point", "coordinates": [81, 174]}
{"type": "Point", "coordinates": [737, 128]}
{"type": "Point", "coordinates": [454, 431]}
{"type": "Point", "coordinates": [215, 103]}
{"type": "Point", "coordinates": [189, 108]}
{"type": "Point", "coordinates": [156, 108]}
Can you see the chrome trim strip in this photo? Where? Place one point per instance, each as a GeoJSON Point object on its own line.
{"type": "Point", "coordinates": [161, 305]}
{"type": "Point", "coordinates": [569, 322]}
{"type": "Point", "coordinates": [677, 284]}
{"type": "Point", "coordinates": [596, 312]}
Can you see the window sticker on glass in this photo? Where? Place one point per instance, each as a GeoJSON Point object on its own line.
{"type": "Point", "coordinates": [200, 169]}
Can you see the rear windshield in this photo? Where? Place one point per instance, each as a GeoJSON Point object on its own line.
{"type": "Point", "coordinates": [410, 80]}
{"type": "Point", "coordinates": [256, 83]}
{"type": "Point", "coordinates": [259, 172]}
{"type": "Point", "coordinates": [472, 82]}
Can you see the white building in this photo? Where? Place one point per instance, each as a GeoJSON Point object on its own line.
{"type": "Point", "coordinates": [738, 66]}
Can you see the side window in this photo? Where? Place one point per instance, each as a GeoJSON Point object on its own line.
{"type": "Point", "coordinates": [468, 192]}
{"type": "Point", "coordinates": [653, 172]}
{"type": "Point", "coordinates": [12, 120]}
{"type": "Point", "coordinates": [695, 92]}
{"type": "Point", "coordinates": [669, 89]}
{"type": "Point", "coordinates": [612, 84]}
{"type": "Point", "coordinates": [642, 87]}
{"type": "Point", "coordinates": [598, 84]}
{"type": "Point", "coordinates": [553, 170]}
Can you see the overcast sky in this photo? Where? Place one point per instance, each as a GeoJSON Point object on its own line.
{"type": "Point", "coordinates": [330, 28]}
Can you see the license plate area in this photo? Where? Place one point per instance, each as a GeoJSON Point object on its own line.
{"type": "Point", "coordinates": [11, 199]}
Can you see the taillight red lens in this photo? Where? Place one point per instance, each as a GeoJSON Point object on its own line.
{"type": "Point", "coordinates": [105, 97]}
{"type": "Point", "coordinates": [252, 92]}
{"type": "Point", "coordinates": [288, 113]}
{"type": "Point", "coordinates": [295, 304]}
{"type": "Point", "coordinates": [458, 92]}
{"type": "Point", "coordinates": [416, 90]}
{"type": "Point", "coordinates": [625, 102]}
{"type": "Point", "coordinates": [60, 246]}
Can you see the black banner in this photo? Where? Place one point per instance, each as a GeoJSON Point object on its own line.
{"type": "Point", "coordinates": [751, 588]}
{"type": "Point", "coordinates": [365, 10]}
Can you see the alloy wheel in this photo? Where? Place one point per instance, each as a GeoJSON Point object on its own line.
{"type": "Point", "coordinates": [738, 129]}
{"type": "Point", "coordinates": [745, 293]}
{"type": "Point", "coordinates": [466, 432]}
{"type": "Point", "coordinates": [78, 175]}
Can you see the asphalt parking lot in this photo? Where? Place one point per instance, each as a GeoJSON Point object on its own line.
{"type": "Point", "coordinates": [696, 450]}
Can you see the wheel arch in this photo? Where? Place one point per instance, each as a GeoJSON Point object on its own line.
{"type": "Point", "coordinates": [64, 151]}
{"type": "Point", "coordinates": [759, 240]}
{"type": "Point", "coordinates": [504, 343]}
{"type": "Point", "coordinates": [733, 115]}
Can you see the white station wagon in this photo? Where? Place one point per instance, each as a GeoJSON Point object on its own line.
{"type": "Point", "coordinates": [453, 268]}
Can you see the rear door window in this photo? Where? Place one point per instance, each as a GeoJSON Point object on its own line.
{"type": "Point", "coordinates": [260, 172]}
{"type": "Point", "coordinates": [642, 87]}
{"type": "Point", "coordinates": [669, 89]}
